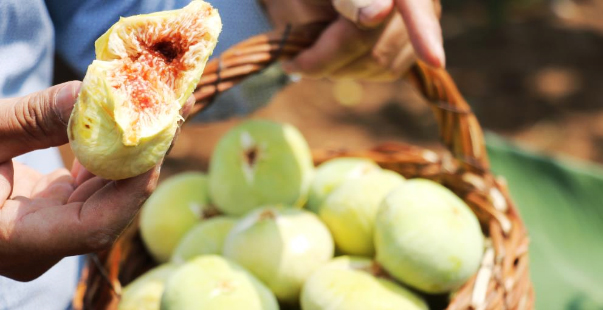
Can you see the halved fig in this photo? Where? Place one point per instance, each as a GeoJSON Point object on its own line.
{"type": "Point", "coordinates": [147, 66]}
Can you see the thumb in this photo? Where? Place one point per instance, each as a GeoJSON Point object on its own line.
{"type": "Point", "coordinates": [36, 121]}
{"type": "Point", "coordinates": [365, 13]}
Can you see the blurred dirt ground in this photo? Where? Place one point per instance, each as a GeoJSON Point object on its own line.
{"type": "Point", "coordinates": [531, 69]}
{"type": "Point", "coordinates": [537, 77]}
{"type": "Point", "coordinates": [534, 76]}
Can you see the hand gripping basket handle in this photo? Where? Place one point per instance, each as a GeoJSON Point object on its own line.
{"type": "Point", "coordinates": [459, 128]}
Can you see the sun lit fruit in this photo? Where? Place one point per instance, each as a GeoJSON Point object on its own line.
{"type": "Point", "coordinates": [206, 237]}
{"type": "Point", "coordinates": [257, 163]}
{"type": "Point", "coordinates": [280, 246]}
{"type": "Point", "coordinates": [350, 210]}
{"type": "Point", "coordinates": [171, 211]}
{"type": "Point", "coordinates": [211, 282]}
{"type": "Point", "coordinates": [427, 237]}
{"type": "Point", "coordinates": [330, 174]}
{"type": "Point", "coordinates": [146, 67]}
{"type": "Point", "coordinates": [355, 283]}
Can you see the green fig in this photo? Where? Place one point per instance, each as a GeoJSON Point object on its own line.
{"type": "Point", "coordinates": [350, 210]}
{"type": "Point", "coordinates": [211, 282]}
{"type": "Point", "coordinates": [145, 292]}
{"type": "Point", "coordinates": [281, 247]}
{"type": "Point", "coordinates": [206, 237]}
{"type": "Point", "coordinates": [177, 204]}
{"type": "Point", "coordinates": [353, 283]}
{"type": "Point", "coordinates": [330, 174]}
{"type": "Point", "coordinates": [258, 163]}
{"type": "Point", "coordinates": [427, 237]}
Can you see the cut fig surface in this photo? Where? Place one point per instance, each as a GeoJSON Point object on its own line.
{"type": "Point", "coordinates": [150, 70]}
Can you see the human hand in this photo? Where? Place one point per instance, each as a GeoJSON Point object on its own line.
{"type": "Point", "coordinates": [366, 39]}
{"type": "Point", "coordinates": [44, 218]}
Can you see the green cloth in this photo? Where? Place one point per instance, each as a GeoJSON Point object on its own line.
{"type": "Point", "coordinates": [561, 202]}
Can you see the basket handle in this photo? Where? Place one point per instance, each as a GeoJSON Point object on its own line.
{"type": "Point", "coordinates": [459, 129]}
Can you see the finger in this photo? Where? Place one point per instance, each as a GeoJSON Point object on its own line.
{"type": "Point", "coordinates": [381, 59]}
{"type": "Point", "coordinates": [176, 134]}
{"type": "Point", "coordinates": [365, 13]}
{"type": "Point", "coordinates": [26, 268]}
{"type": "Point", "coordinates": [22, 261]}
{"type": "Point", "coordinates": [393, 51]}
{"type": "Point", "coordinates": [83, 176]}
{"type": "Point", "coordinates": [358, 69]}
{"type": "Point", "coordinates": [87, 189]}
{"type": "Point", "coordinates": [81, 227]}
{"type": "Point", "coordinates": [339, 44]}
{"type": "Point", "coordinates": [316, 2]}
{"type": "Point", "coordinates": [185, 111]}
{"type": "Point", "coordinates": [393, 39]}
{"type": "Point", "coordinates": [424, 30]}
{"type": "Point", "coordinates": [188, 106]}
{"type": "Point", "coordinates": [114, 206]}
{"type": "Point", "coordinates": [25, 181]}
{"type": "Point", "coordinates": [403, 61]}
{"type": "Point", "coordinates": [79, 173]}
{"type": "Point", "coordinates": [56, 186]}
{"type": "Point", "coordinates": [75, 168]}
{"type": "Point", "coordinates": [6, 180]}
{"type": "Point", "coordinates": [400, 66]}
{"type": "Point", "coordinates": [375, 14]}
{"type": "Point", "coordinates": [36, 121]}
{"type": "Point", "coordinates": [108, 211]}
{"type": "Point", "coordinates": [24, 272]}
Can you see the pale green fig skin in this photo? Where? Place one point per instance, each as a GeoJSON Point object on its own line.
{"type": "Point", "coordinates": [281, 171]}
{"type": "Point", "coordinates": [177, 204]}
{"type": "Point", "coordinates": [211, 282]}
{"type": "Point", "coordinates": [346, 283]}
{"type": "Point", "coordinates": [206, 237]}
{"type": "Point", "coordinates": [350, 210]}
{"type": "Point", "coordinates": [427, 237]}
{"type": "Point", "coordinates": [280, 246]}
{"type": "Point", "coordinates": [330, 174]}
{"type": "Point", "coordinates": [96, 140]}
{"type": "Point", "coordinates": [100, 129]}
{"type": "Point", "coordinates": [145, 292]}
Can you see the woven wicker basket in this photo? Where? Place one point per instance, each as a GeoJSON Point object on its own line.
{"type": "Point", "coordinates": [502, 281]}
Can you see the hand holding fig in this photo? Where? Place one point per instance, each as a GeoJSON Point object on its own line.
{"type": "Point", "coordinates": [44, 218]}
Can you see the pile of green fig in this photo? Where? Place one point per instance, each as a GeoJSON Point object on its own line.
{"type": "Point", "coordinates": [264, 228]}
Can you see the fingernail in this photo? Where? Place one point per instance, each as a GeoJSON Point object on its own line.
{"type": "Point", "coordinates": [430, 48]}
{"type": "Point", "coordinates": [188, 106]}
{"type": "Point", "coordinates": [64, 101]}
{"type": "Point", "coordinates": [374, 14]}
{"type": "Point", "coordinates": [80, 178]}
{"type": "Point", "coordinates": [437, 48]}
{"type": "Point", "coordinates": [442, 56]}
{"type": "Point", "coordinates": [158, 169]}
{"type": "Point", "coordinates": [75, 169]}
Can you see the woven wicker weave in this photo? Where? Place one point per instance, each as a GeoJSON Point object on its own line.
{"type": "Point", "coordinates": [502, 282]}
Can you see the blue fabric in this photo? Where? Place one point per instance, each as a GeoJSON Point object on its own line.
{"type": "Point", "coordinates": [78, 23]}
{"type": "Point", "coordinates": [26, 44]}
{"type": "Point", "coordinates": [29, 32]}
{"type": "Point", "coordinates": [53, 290]}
